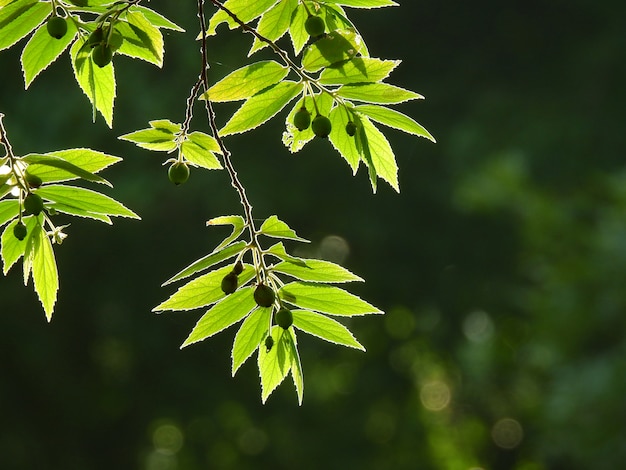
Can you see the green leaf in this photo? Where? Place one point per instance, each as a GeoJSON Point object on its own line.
{"type": "Point", "coordinates": [274, 23]}
{"type": "Point", "coordinates": [394, 119]}
{"type": "Point", "coordinates": [276, 228]}
{"type": "Point", "coordinates": [250, 336]}
{"type": "Point", "coordinates": [346, 145]}
{"type": "Point", "coordinates": [261, 107]}
{"type": "Point", "coordinates": [218, 255]}
{"type": "Point", "coordinates": [299, 36]}
{"type": "Point", "coordinates": [382, 93]}
{"type": "Point", "coordinates": [29, 251]}
{"type": "Point", "coordinates": [275, 364]}
{"type": "Point", "coordinates": [45, 275]}
{"type": "Point", "coordinates": [160, 140]}
{"type": "Point", "coordinates": [198, 148]}
{"type": "Point", "coordinates": [336, 46]}
{"type": "Point", "coordinates": [88, 160]}
{"type": "Point", "coordinates": [296, 365]}
{"type": "Point", "coordinates": [364, 3]}
{"type": "Point", "coordinates": [222, 315]}
{"type": "Point", "coordinates": [142, 39]}
{"type": "Point", "coordinates": [245, 10]}
{"type": "Point", "coordinates": [13, 249]}
{"type": "Point", "coordinates": [316, 271]}
{"type": "Point", "coordinates": [202, 291]}
{"type": "Point", "coordinates": [71, 210]}
{"type": "Point", "coordinates": [85, 199]}
{"type": "Point", "coordinates": [325, 299]}
{"type": "Point", "coordinates": [238, 223]}
{"type": "Point", "coordinates": [61, 164]}
{"type": "Point", "coordinates": [9, 209]}
{"type": "Point", "coordinates": [247, 81]}
{"type": "Point", "coordinates": [157, 19]}
{"type": "Point", "coordinates": [325, 328]}
{"type": "Point", "coordinates": [358, 70]}
{"type": "Point", "coordinates": [42, 49]}
{"type": "Point", "coordinates": [335, 18]}
{"type": "Point", "coordinates": [279, 251]}
{"type": "Point", "coordinates": [377, 154]}
{"type": "Point", "coordinates": [166, 125]}
{"type": "Point", "coordinates": [19, 18]}
{"type": "Point", "coordinates": [295, 139]}
{"type": "Point", "coordinates": [98, 83]}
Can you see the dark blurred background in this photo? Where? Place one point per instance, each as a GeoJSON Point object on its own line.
{"type": "Point", "coordinates": [500, 265]}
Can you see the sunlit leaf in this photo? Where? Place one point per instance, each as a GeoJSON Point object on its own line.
{"type": "Point", "coordinates": [358, 70]}
{"type": "Point", "coordinates": [247, 81]}
{"type": "Point", "coordinates": [222, 315]}
{"type": "Point", "coordinates": [202, 291]}
{"type": "Point", "coordinates": [326, 299]}
{"type": "Point", "coordinates": [261, 107]}
{"type": "Point", "coordinates": [220, 254]}
{"type": "Point", "coordinates": [275, 364]}
{"type": "Point", "coordinates": [382, 93]}
{"type": "Point", "coordinates": [157, 19]}
{"type": "Point", "coordinates": [245, 10]}
{"type": "Point", "coordinates": [337, 46]}
{"type": "Point", "coordinates": [42, 49]}
{"type": "Point", "coordinates": [88, 160]}
{"type": "Point", "coordinates": [325, 328]}
{"type": "Point", "coordinates": [45, 274]}
{"type": "Point", "coordinates": [253, 331]}
{"type": "Point", "coordinates": [274, 23]}
{"type": "Point", "coordinates": [98, 83]}
{"type": "Point", "coordinates": [85, 199]}
{"type": "Point", "coordinates": [316, 271]}
{"type": "Point", "coordinates": [142, 39]}
{"type": "Point", "coordinates": [238, 223]}
{"type": "Point", "coordinates": [20, 18]}
{"type": "Point", "coordinates": [9, 209]}
{"type": "Point", "coordinates": [62, 164]}
{"type": "Point", "coordinates": [276, 228]}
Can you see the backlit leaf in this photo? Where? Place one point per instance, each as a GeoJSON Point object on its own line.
{"type": "Point", "coordinates": [382, 93]}
{"type": "Point", "coordinates": [325, 328]}
{"type": "Point", "coordinates": [326, 299]}
{"type": "Point", "coordinates": [45, 274]}
{"type": "Point", "coordinates": [316, 271]}
{"type": "Point", "coordinates": [250, 336]}
{"type": "Point", "coordinates": [395, 119]}
{"type": "Point", "coordinates": [142, 39]}
{"type": "Point", "coordinates": [261, 107]}
{"type": "Point", "coordinates": [222, 315]}
{"type": "Point", "coordinates": [336, 46]}
{"type": "Point", "coordinates": [276, 228]}
{"type": "Point", "coordinates": [358, 70]}
{"type": "Point", "coordinates": [20, 18]}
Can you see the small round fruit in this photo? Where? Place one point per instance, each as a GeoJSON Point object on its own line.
{"type": "Point", "coordinates": [351, 128]}
{"type": "Point", "coordinates": [102, 55]}
{"type": "Point", "coordinates": [302, 119]}
{"type": "Point", "coordinates": [57, 27]}
{"type": "Point", "coordinates": [178, 173]}
{"type": "Point", "coordinates": [229, 283]}
{"type": "Point", "coordinates": [264, 296]}
{"type": "Point", "coordinates": [20, 231]}
{"type": "Point", "coordinates": [96, 38]}
{"type": "Point", "coordinates": [284, 318]}
{"type": "Point", "coordinates": [314, 25]}
{"type": "Point", "coordinates": [238, 268]}
{"type": "Point", "coordinates": [33, 204]}
{"type": "Point", "coordinates": [33, 181]}
{"type": "Point", "coordinates": [115, 40]}
{"type": "Point", "coordinates": [269, 343]}
{"type": "Point", "coordinates": [321, 126]}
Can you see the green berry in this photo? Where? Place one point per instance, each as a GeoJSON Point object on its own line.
{"type": "Point", "coordinates": [20, 231]}
{"type": "Point", "coordinates": [57, 27]}
{"type": "Point", "coordinates": [284, 318]}
{"type": "Point", "coordinates": [96, 38]}
{"type": "Point", "coordinates": [302, 119]}
{"type": "Point", "coordinates": [178, 173]}
{"type": "Point", "coordinates": [351, 128]}
{"type": "Point", "coordinates": [314, 25]}
{"type": "Point", "coordinates": [238, 268]}
{"type": "Point", "coordinates": [321, 126]}
{"type": "Point", "coordinates": [264, 295]}
{"type": "Point", "coordinates": [102, 55]}
{"type": "Point", "coordinates": [33, 204]}
{"type": "Point", "coordinates": [33, 181]}
{"type": "Point", "coordinates": [229, 283]}
{"type": "Point", "coordinates": [115, 40]}
{"type": "Point", "coordinates": [269, 343]}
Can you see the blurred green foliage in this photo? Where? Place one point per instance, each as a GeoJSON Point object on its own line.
{"type": "Point", "coordinates": [501, 264]}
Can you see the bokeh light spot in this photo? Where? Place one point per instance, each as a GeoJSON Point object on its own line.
{"type": "Point", "coordinates": [435, 395]}
{"type": "Point", "coordinates": [167, 439]}
{"type": "Point", "coordinates": [478, 326]}
{"type": "Point", "coordinates": [507, 433]}
{"type": "Point", "coordinates": [334, 248]}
